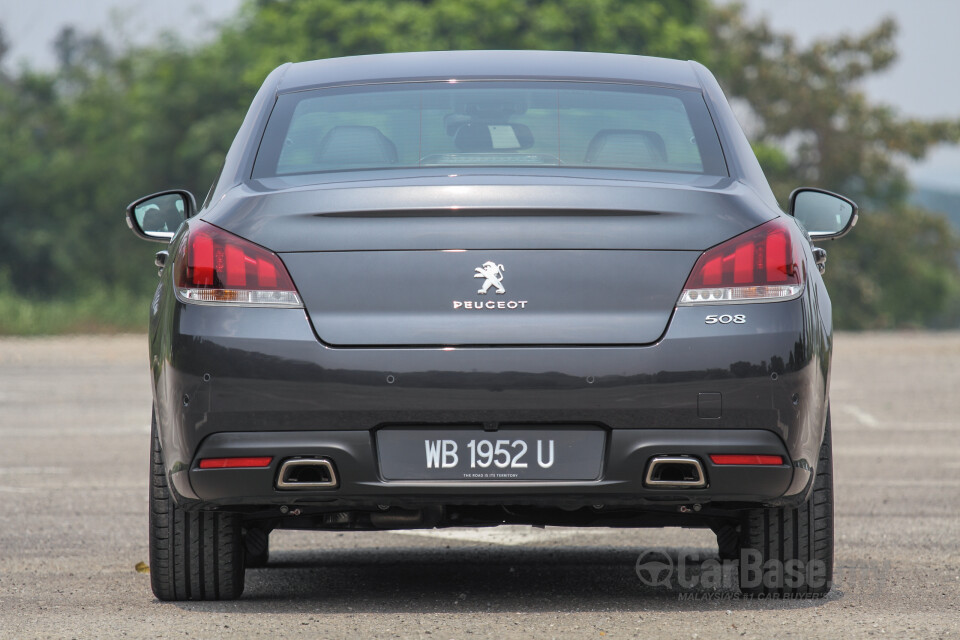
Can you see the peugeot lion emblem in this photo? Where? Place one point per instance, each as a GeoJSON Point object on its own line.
{"type": "Point", "coordinates": [493, 273]}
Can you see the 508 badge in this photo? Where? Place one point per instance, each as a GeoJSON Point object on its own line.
{"type": "Point", "coordinates": [726, 319]}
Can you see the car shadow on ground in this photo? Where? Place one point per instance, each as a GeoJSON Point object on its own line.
{"type": "Point", "coordinates": [482, 579]}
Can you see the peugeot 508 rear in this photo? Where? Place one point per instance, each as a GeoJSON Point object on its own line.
{"type": "Point", "coordinates": [480, 288]}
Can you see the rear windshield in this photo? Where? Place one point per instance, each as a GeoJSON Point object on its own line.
{"type": "Point", "coordinates": [490, 124]}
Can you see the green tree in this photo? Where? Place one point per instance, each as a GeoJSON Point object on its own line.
{"type": "Point", "coordinates": [812, 124]}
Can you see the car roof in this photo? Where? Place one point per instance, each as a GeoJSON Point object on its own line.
{"type": "Point", "coordinates": [449, 65]}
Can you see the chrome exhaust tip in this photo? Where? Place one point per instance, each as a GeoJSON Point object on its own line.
{"type": "Point", "coordinates": [675, 472]}
{"type": "Point", "coordinates": [306, 473]}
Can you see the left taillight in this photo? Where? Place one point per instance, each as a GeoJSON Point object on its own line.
{"type": "Point", "coordinates": [217, 267]}
{"type": "Point", "coordinates": [761, 265]}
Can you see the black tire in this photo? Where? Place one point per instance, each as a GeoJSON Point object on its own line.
{"type": "Point", "coordinates": [193, 555]}
{"type": "Point", "coordinates": [256, 546]}
{"type": "Point", "coordinates": [788, 551]}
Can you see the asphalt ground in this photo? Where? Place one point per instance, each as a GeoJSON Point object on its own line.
{"type": "Point", "coordinates": [74, 431]}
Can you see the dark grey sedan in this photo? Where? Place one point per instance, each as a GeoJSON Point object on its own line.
{"type": "Point", "coordinates": [480, 288]}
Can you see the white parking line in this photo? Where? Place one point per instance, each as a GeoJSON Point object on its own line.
{"type": "Point", "coordinates": [505, 535]}
{"type": "Point", "coordinates": [896, 452]}
{"type": "Point", "coordinates": [11, 471]}
{"type": "Point", "coordinates": [862, 416]}
{"type": "Point", "coordinates": [941, 482]}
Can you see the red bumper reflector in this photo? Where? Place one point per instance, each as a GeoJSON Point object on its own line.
{"type": "Point", "coordinates": [233, 463]}
{"type": "Point", "coordinates": [745, 459]}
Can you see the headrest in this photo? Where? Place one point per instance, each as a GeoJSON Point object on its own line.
{"type": "Point", "coordinates": [626, 148]}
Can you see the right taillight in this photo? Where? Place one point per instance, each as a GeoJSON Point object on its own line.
{"type": "Point", "coordinates": [761, 265]}
{"type": "Point", "coordinates": [217, 267]}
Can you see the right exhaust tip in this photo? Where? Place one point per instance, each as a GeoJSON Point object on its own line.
{"type": "Point", "coordinates": [674, 472]}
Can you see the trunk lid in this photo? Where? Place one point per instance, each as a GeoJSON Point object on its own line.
{"type": "Point", "coordinates": [587, 264]}
{"type": "Point", "coordinates": [490, 297]}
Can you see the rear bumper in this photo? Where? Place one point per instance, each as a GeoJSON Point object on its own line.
{"type": "Point", "coordinates": [627, 454]}
{"type": "Point", "coordinates": [240, 378]}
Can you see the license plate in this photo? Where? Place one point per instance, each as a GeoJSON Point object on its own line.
{"type": "Point", "coordinates": [508, 454]}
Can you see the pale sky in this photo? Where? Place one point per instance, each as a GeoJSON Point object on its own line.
{"type": "Point", "coordinates": [924, 82]}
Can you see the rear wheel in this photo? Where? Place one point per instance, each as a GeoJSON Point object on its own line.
{"type": "Point", "coordinates": [193, 555]}
{"type": "Point", "coordinates": [789, 550]}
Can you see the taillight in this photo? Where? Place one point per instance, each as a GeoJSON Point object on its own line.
{"type": "Point", "coordinates": [761, 265]}
{"type": "Point", "coordinates": [214, 266]}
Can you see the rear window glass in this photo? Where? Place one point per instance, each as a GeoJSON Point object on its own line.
{"type": "Point", "coordinates": [457, 124]}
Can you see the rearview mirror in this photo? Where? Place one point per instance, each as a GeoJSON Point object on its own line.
{"type": "Point", "coordinates": [477, 137]}
{"type": "Point", "coordinates": [158, 216]}
{"type": "Point", "coordinates": [822, 213]}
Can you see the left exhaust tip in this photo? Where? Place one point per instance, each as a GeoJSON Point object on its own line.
{"type": "Point", "coordinates": [307, 473]}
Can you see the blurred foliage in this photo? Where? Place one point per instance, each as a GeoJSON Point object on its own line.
{"type": "Point", "coordinates": [812, 125]}
{"type": "Point", "coordinates": [100, 311]}
{"type": "Point", "coordinates": [106, 126]}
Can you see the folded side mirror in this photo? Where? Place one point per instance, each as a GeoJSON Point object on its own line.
{"type": "Point", "coordinates": [822, 213]}
{"type": "Point", "coordinates": [158, 216]}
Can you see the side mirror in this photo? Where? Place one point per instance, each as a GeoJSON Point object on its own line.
{"type": "Point", "coordinates": [822, 213]}
{"type": "Point", "coordinates": [158, 216]}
